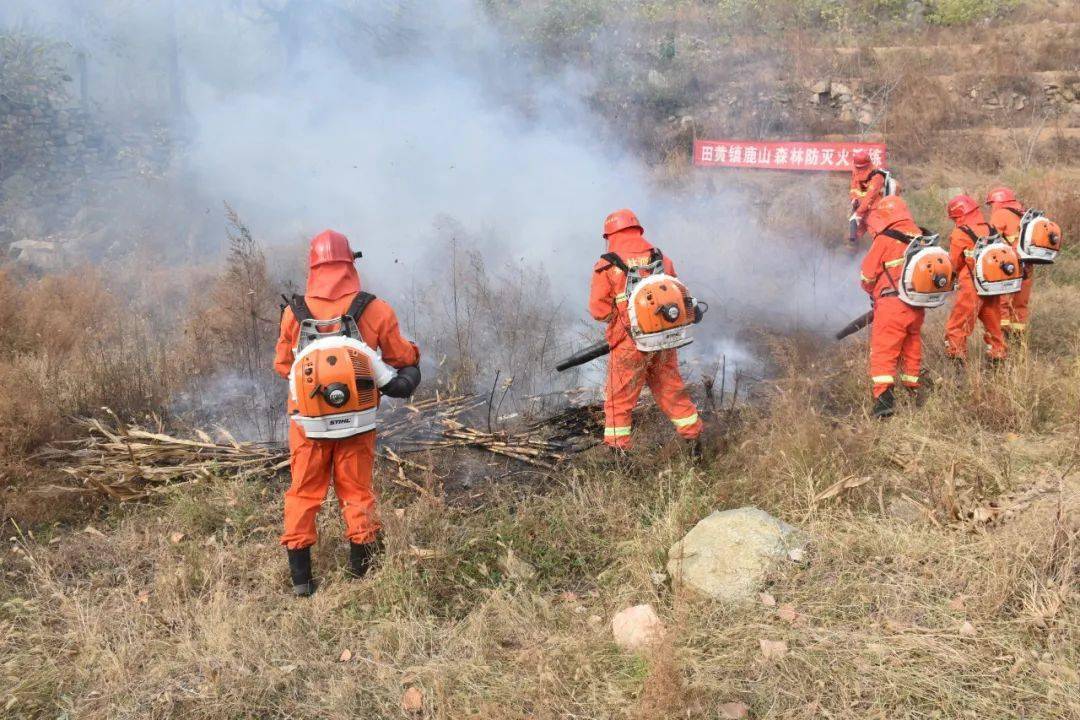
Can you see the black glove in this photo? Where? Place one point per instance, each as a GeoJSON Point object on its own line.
{"type": "Point", "coordinates": [404, 383]}
{"type": "Point", "coordinates": [700, 309]}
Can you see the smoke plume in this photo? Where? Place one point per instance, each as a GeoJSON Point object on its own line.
{"type": "Point", "coordinates": [383, 119]}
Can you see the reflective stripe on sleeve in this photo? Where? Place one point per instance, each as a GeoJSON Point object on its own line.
{"type": "Point", "coordinates": [894, 263]}
{"type": "Point", "coordinates": [620, 298]}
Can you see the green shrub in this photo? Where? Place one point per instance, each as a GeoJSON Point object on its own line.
{"type": "Point", "coordinates": [958, 12]}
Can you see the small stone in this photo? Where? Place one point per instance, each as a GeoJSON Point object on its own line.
{"type": "Point", "coordinates": [839, 90]}
{"type": "Point", "coordinates": [733, 711]}
{"type": "Point", "coordinates": [636, 627]}
{"type": "Point", "coordinates": [412, 701]}
{"type": "Point", "coordinates": [516, 568]}
{"type": "Point", "coordinates": [773, 649]}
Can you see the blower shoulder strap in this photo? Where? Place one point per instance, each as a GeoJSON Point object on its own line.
{"type": "Point", "coordinates": [299, 308]}
{"type": "Point", "coordinates": [971, 234]}
{"type": "Point", "coordinates": [614, 259]}
{"type": "Point", "coordinates": [1014, 211]}
{"type": "Point", "coordinates": [897, 235]}
{"type": "Point", "coordinates": [302, 312]}
{"type": "Point", "coordinates": [359, 305]}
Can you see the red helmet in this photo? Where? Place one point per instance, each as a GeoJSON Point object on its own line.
{"type": "Point", "coordinates": [620, 220]}
{"type": "Point", "coordinates": [888, 211]}
{"type": "Point", "coordinates": [1000, 195]}
{"type": "Point", "coordinates": [861, 158]}
{"type": "Point", "coordinates": [329, 247]}
{"type": "Point", "coordinates": [960, 206]}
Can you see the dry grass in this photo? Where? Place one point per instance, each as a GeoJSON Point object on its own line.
{"type": "Point", "coordinates": [182, 608]}
{"type": "Point", "coordinates": [942, 583]}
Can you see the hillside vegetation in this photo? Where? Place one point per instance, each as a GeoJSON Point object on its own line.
{"type": "Point", "coordinates": [942, 575]}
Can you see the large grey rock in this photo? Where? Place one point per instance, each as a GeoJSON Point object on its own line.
{"type": "Point", "coordinates": [42, 255]}
{"type": "Point", "coordinates": [726, 555]}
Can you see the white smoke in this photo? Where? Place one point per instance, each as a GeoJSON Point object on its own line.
{"type": "Point", "coordinates": [377, 118]}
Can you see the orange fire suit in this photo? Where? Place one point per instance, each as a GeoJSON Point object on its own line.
{"type": "Point", "coordinates": [1015, 308]}
{"type": "Point", "coordinates": [865, 190]}
{"type": "Point", "coordinates": [896, 333]}
{"type": "Point", "coordinates": [969, 304]}
{"type": "Point", "coordinates": [350, 461]}
{"type": "Point", "coordinates": [629, 369]}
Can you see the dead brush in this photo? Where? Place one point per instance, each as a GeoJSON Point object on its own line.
{"type": "Point", "coordinates": [69, 348]}
{"type": "Point", "coordinates": [131, 463]}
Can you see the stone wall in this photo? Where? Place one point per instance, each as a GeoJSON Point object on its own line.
{"type": "Point", "coordinates": [46, 153]}
{"type": "Point", "coordinates": [57, 162]}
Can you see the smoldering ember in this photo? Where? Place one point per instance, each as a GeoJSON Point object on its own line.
{"type": "Point", "coordinates": [539, 359]}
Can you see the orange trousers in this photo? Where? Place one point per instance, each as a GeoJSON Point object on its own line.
{"type": "Point", "coordinates": [961, 323]}
{"type": "Point", "coordinates": [895, 339]}
{"type": "Point", "coordinates": [351, 462]}
{"type": "Point", "coordinates": [629, 370]}
{"type": "Point", "coordinates": [1016, 307]}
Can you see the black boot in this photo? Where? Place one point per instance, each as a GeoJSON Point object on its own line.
{"type": "Point", "coordinates": [695, 448]}
{"type": "Point", "coordinates": [362, 556]}
{"type": "Point", "coordinates": [300, 568]}
{"type": "Point", "coordinates": [923, 390]}
{"type": "Point", "coordinates": [885, 404]}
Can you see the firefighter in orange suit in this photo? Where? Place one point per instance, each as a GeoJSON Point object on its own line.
{"type": "Point", "coordinates": [867, 186]}
{"type": "Point", "coordinates": [970, 226]}
{"type": "Point", "coordinates": [332, 285]}
{"type": "Point", "coordinates": [630, 369]}
{"type": "Point", "coordinates": [895, 335]}
{"type": "Point", "coordinates": [1005, 214]}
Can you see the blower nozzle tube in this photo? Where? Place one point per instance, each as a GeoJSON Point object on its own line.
{"type": "Point", "coordinates": [856, 325]}
{"type": "Point", "coordinates": [587, 355]}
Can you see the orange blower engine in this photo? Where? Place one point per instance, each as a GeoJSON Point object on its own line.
{"type": "Point", "coordinates": [998, 270]}
{"type": "Point", "coordinates": [335, 379]}
{"type": "Point", "coordinates": [1040, 238]}
{"type": "Point", "coordinates": [660, 307]}
{"type": "Point", "coordinates": [926, 280]}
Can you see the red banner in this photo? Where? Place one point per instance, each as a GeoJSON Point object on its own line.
{"type": "Point", "coordinates": [782, 155]}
